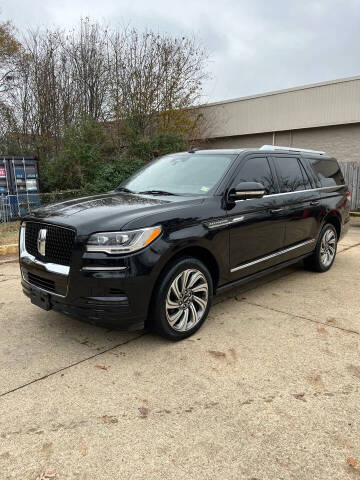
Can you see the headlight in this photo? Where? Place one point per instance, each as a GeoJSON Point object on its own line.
{"type": "Point", "coordinates": [122, 242]}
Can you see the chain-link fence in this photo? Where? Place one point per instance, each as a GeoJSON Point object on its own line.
{"type": "Point", "coordinates": [13, 207]}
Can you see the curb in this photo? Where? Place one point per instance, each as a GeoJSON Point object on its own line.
{"type": "Point", "coordinates": [9, 249]}
{"type": "Point", "coordinates": [355, 214]}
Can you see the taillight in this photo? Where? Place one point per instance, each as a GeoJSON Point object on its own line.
{"type": "Point", "coordinates": [348, 195]}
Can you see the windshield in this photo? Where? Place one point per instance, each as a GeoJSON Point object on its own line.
{"type": "Point", "coordinates": [181, 173]}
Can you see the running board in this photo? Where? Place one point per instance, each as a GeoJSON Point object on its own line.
{"type": "Point", "coordinates": [273, 255]}
{"type": "Point", "coordinates": [261, 273]}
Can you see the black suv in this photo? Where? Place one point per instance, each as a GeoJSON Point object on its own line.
{"type": "Point", "coordinates": [153, 252]}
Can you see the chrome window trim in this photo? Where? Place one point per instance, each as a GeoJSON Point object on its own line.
{"type": "Point", "coordinates": [268, 257]}
{"type": "Point", "coordinates": [335, 187]}
{"type": "Point", "coordinates": [249, 192]}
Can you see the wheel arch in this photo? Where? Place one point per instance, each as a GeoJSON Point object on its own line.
{"type": "Point", "coordinates": [333, 219]}
{"type": "Point", "coordinates": [199, 252]}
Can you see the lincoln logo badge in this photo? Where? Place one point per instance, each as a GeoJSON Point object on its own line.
{"type": "Point", "coordinates": [41, 241]}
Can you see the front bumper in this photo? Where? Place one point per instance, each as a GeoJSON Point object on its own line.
{"type": "Point", "coordinates": [112, 312]}
{"type": "Point", "coordinates": [117, 297]}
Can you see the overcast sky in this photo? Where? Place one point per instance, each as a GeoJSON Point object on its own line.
{"type": "Point", "coordinates": [254, 45]}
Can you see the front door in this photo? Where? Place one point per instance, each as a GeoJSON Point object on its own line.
{"type": "Point", "coordinates": [257, 226]}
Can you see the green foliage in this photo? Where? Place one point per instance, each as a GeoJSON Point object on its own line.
{"type": "Point", "coordinates": [88, 163]}
{"type": "Point", "coordinates": [160, 144]}
{"type": "Point", "coordinates": [112, 172]}
{"type": "Point", "coordinates": [82, 150]}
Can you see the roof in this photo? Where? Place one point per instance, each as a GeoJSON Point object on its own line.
{"type": "Point", "coordinates": [321, 104]}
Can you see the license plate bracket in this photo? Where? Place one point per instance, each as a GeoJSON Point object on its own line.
{"type": "Point", "coordinates": [41, 300]}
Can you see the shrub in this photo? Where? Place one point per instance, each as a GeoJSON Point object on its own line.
{"type": "Point", "coordinates": [86, 162]}
{"type": "Point", "coordinates": [82, 149]}
{"type": "Point", "coordinates": [111, 173]}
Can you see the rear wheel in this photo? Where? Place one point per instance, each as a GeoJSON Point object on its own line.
{"type": "Point", "coordinates": [325, 251]}
{"type": "Point", "coordinates": [182, 299]}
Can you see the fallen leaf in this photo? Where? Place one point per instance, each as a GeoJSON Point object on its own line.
{"type": "Point", "coordinates": [102, 367]}
{"type": "Point", "coordinates": [143, 412]}
{"type": "Point", "coordinates": [352, 463]}
{"type": "Point", "coordinates": [84, 450]}
{"type": "Point", "coordinates": [321, 330]}
{"type": "Point", "coordinates": [109, 419]}
{"type": "Point", "coordinates": [300, 396]}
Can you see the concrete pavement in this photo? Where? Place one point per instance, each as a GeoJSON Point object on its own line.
{"type": "Point", "coordinates": [268, 389]}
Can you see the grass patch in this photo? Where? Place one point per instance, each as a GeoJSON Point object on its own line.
{"type": "Point", "coordinates": [9, 233]}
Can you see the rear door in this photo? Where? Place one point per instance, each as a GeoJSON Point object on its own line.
{"type": "Point", "coordinates": [300, 202]}
{"type": "Point", "coordinates": [256, 228]}
{"type": "Point", "coordinates": [332, 188]}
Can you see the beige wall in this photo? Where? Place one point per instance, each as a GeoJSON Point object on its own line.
{"type": "Point", "coordinates": [310, 106]}
{"type": "Point", "coordinates": [341, 141]}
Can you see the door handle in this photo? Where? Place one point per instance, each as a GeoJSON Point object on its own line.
{"type": "Point", "coordinates": [276, 210]}
{"type": "Point", "coordinates": [315, 202]}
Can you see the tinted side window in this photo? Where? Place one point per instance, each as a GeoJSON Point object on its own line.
{"type": "Point", "coordinates": [328, 171]}
{"type": "Point", "coordinates": [257, 170]}
{"type": "Point", "coordinates": [292, 175]}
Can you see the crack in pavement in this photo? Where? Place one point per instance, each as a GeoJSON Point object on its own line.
{"type": "Point", "coordinates": [348, 248]}
{"type": "Point", "coordinates": [35, 380]}
{"type": "Point", "coordinates": [297, 316]}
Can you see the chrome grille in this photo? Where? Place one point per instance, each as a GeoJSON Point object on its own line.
{"type": "Point", "coordinates": [59, 243]}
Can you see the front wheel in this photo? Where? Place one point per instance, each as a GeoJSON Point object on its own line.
{"type": "Point", "coordinates": [182, 299]}
{"type": "Point", "coordinates": [324, 255]}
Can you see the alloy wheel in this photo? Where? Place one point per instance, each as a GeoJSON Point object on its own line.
{"type": "Point", "coordinates": [187, 300]}
{"type": "Point", "coordinates": [328, 248]}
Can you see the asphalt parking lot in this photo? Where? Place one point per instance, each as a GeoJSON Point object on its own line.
{"type": "Point", "coordinates": [268, 389]}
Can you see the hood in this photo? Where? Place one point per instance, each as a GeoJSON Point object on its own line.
{"type": "Point", "coordinates": [107, 211]}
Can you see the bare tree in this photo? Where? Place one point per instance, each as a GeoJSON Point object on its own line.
{"type": "Point", "coordinates": [140, 80]}
{"type": "Point", "coordinates": [154, 77]}
{"type": "Point", "coordinates": [87, 49]}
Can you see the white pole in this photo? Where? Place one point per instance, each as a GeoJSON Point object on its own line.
{"type": "Point", "coordinates": [17, 195]}
{"type": "Point", "coordinates": [27, 191]}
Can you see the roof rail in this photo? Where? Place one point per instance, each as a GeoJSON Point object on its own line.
{"type": "Point", "coordinates": [290, 149]}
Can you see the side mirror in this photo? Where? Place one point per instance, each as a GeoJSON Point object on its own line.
{"type": "Point", "coordinates": [246, 190]}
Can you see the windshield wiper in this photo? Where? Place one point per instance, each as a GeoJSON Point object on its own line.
{"type": "Point", "coordinates": [156, 192]}
{"type": "Point", "coordinates": [123, 189]}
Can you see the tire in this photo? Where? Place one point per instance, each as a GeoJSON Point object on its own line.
{"type": "Point", "coordinates": [325, 252]}
{"type": "Point", "coordinates": [182, 299]}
